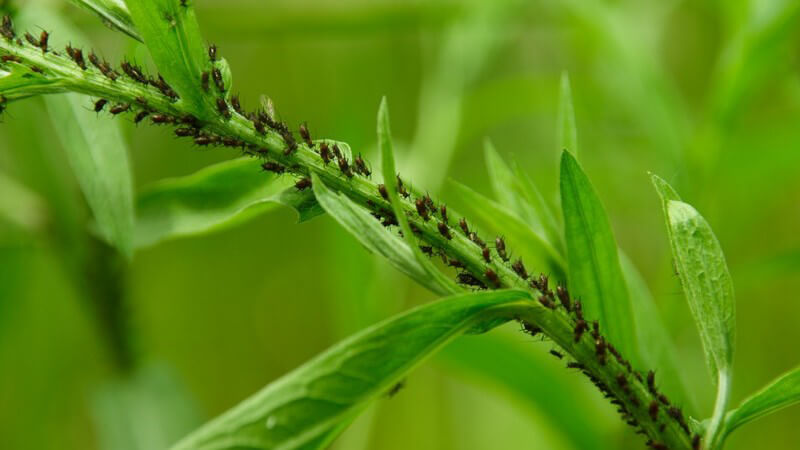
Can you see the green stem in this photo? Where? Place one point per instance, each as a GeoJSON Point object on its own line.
{"type": "Point", "coordinates": [624, 385]}
{"type": "Point", "coordinates": [720, 407]}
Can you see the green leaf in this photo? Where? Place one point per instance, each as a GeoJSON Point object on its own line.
{"type": "Point", "coordinates": [99, 158]}
{"type": "Point", "coordinates": [567, 131]}
{"type": "Point", "coordinates": [374, 236]}
{"type": "Point", "coordinates": [173, 37]}
{"type": "Point", "coordinates": [595, 275]}
{"type": "Point", "coordinates": [543, 213]}
{"type": "Point", "coordinates": [304, 408]}
{"type": "Point", "coordinates": [114, 13]}
{"type": "Point", "coordinates": [535, 248]}
{"type": "Point", "coordinates": [214, 198]}
{"type": "Point", "coordinates": [436, 277]}
{"type": "Point", "coordinates": [150, 409]}
{"type": "Point", "coordinates": [783, 392]}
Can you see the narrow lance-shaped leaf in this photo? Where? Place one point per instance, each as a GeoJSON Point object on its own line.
{"type": "Point", "coordinates": [389, 178]}
{"type": "Point", "coordinates": [533, 196]}
{"type": "Point", "coordinates": [595, 275]}
{"type": "Point", "coordinates": [783, 392]}
{"type": "Point", "coordinates": [567, 131]}
{"type": "Point", "coordinates": [112, 12]}
{"type": "Point", "coordinates": [305, 408]}
{"type": "Point", "coordinates": [214, 198]}
{"type": "Point", "coordinates": [374, 236]}
{"type": "Point", "coordinates": [172, 35]}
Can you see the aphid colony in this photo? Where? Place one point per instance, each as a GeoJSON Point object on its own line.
{"type": "Point", "coordinates": [264, 119]}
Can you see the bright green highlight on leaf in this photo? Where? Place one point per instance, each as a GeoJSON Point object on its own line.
{"type": "Point", "coordinates": [389, 178]}
{"type": "Point", "coordinates": [113, 12]}
{"type": "Point", "coordinates": [306, 407]}
{"type": "Point", "coordinates": [595, 275]}
{"type": "Point", "coordinates": [213, 198]}
{"type": "Point", "coordinates": [567, 131]}
{"type": "Point", "coordinates": [783, 392]}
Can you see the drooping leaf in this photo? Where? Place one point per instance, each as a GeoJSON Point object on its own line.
{"type": "Point", "coordinates": [302, 409]}
{"type": "Point", "coordinates": [172, 35]}
{"type": "Point", "coordinates": [98, 155]}
{"type": "Point", "coordinates": [214, 198]}
{"type": "Point", "coordinates": [436, 277]}
{"type": "Point", "coordinates": [148, 410]}
{"type": "Point", "coordinates": [374, 236]}
{"type": "Point", "coordinates": [535, 248]}
{"type": "Point", "coordinates": [779, 394]}
{"type": "Point", "coordinates": [567, 131]}
{"type": "Point", "coordinates": [114, 13]}
{"type": "Point", "coordinates": [595, 275]}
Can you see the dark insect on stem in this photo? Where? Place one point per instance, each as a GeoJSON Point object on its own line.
{"type": "Point", "coordinates": [10, 58]}
{"type": "Point", "coordinates": [382, 190]}
{"type": "Point", "coordinates": [325, 154]}
{"type": "Point", "coordinates": [100, 104]}
{"type": "Point", "coordinates": [37, 69]}
{"type": "Point", "coordinates": [204, 77]}
{"type": "Point", "coordinates": [361, 166]}
{"type": "Point", "coordinates": [306, 135]}
{"type": "Point", "coordinates": [575, 365]}
{"type": "Point", "coordinates": [422, 210]}
{"type": "Point", "coordinates": [236, 104]}
{"type": "Point", "coordinates": [478, 241]}
{"type": "Point", "coordinates": [486, 255]}
{"type": "Point", "coordinates": [160, 119]}
{"type": "Point", "coordinates": [43, 38]}
{"type": "Point", "coordinates": [696, 442]}
{"type": "Point", "coordinates": [492, 276]}
{"type": "Point", "coordinates": [651, 382]}
{"type": "Point", "coordinates": [470, 280]}
{"type": "Point", "coordinates": [336, 152]}
{"type": "Point", "coordinates": [547, 301]}
{"type": "Point", "coordinates": [429, 203]}
{"type": "Point", "coordinates": [519, 269]}
{"type": "Point", "coordinates": [463, 224]}
{"type": "Point", "coordinates": [653, 410]}
{"type": "Point", "coordinates": [303, 183]}
{"type": "Point", "coordinates": [345, 168]}
{"type": "Point", "coordinates": [401, 189]}
{"type": "Point", "coordinates": [133, 72]}
{"type": "Point", "coordinates": [212, 51]}
{"type": "Point", "coordinates": [222, 108]}
{"type": "Point", "coordinates": [396, 388]}
{"type": "Point", "coordinates": [622, 382]}
{"type": "Point", "coordinates": [600, 350]}
{"type": "Point", "coordinates": [563, 296]}
{"type": "Point", "coordinates": [119, 109]}
{"type": "Point", "coordinates": [580, 328]}
{"type": "Point", "coordinates": [270, 166]}
{"type": "Point", "coordinates": [185, 132]}
{"type": "Point", "coordinates": [456, 263]}
{"type": "Point", "coordinates": [217, 76]}
{"type": "Point", "coordinates": [443, 213]}
{"type": "Point", "coordinates": [7, 28]}
{"type": "Point", "coordinates": [677, 414]}
{"type": "Point", "coordinates": [500, 246]}
{"type": "Point", "coordinates": [140, 116]}
{"type": "Point", "coordinates": [31, 40]}
{"type": "Point", "coordinates": [596, 329]}
{"type": "Point", "coordinates": [204, 140]}
{"type": "Point", "coordinates": [557, 354]}
{"type": "Point", "coordinates": [532, 330]}
{"type": "Point", "coordinates": [656, 445]}
{"type": "Point", "coordinates": [427, 249]}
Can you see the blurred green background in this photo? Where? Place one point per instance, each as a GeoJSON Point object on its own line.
{"type": "Point", "coordinates": [706, 94]}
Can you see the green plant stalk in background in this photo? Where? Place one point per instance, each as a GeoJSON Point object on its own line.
{"type": "Point", "coordinates": [57, 73]}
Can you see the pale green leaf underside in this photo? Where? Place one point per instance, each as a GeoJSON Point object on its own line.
{"type": "Point", "coordinates": [706, 282]}
{"type": "Point", "coordinates": [305, 406]}
{"type": "Point", "coordinates": [214, 198]}
{"type": "Point", "coordinates": [783, 392]}
{"type": "Point", "coordinates": [595, 275]}
{"type": "Point", "coordinates": [113, 13]}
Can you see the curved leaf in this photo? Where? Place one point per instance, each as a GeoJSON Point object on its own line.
{"type": "Point", "coordinates": [595, 275]}
{"type": "Point", "coordinates": [213, 198]}
{"type": "Point", "coordinates": [783, 392]}
{"type": "Point", "coordinates": [567, 131]}
{"type": "Point", "coordinates": [114, 13]}
{"type": "Point", "coordinates": [309, 404]}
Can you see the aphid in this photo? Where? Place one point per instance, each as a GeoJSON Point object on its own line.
{"type": "Point", "coordinates": [653, 410]}
{"type": "Point", "coordinates": [185, 131]}
{"type": "Point", "coordinates": [217, 76]}
{"type": "Point", "coordinates": [401, 189]}
{"type": "Point", "coordinates": [204, 80]}
{"type": "Point", "coordinates": [396, 388]}
{"type": "Point", "coordinates": [492, 276]}
{"type": "Point", "coordinates": [600, 350]}
{"type": "Point", "coordinates": [530, 329]}
{"type": "Point", "coordinates": [100, 104]}
{"type": "Point", "coordinates": [31, 40]}
{"type": "Point", "coordinates": [222, 108]}
{"type": "Point", "coordinates": [37, 69]}
{"type": "Point", "coordinates": [325, 154]}
{"type": "Point", "coordinates": [427, 249]}
{"type": "Point", "coordinates": [303, 183]}
{"type": "Point", "coordinates": [547, 301]}
{"type": "Point", "coordinates": [596, 329]}
{"type": "Point", "coordinates": [361, 166]}
{"type": "Point", "coordinates": [382, 190]}
{"type": "Point", "coordinates": [232, 142]}
{"type": "Point", "coordinates": [305, 134]}
{"type": "Point", "coordinates": [500, 246]}
{"type": "Point", "coordinates": [237, 106]}
{"type": "Point", "coordinates": [203, 140]}
{"type": "Point", "coordinates": [429, 202]}
{"type": "Point", "coordinates": [696, 442]}
{"type": "Point", "coordinates": [557, 354]}
{"type": "Point", "coordinates": [345, 168]}
{"type": "Point", "coordinates": [422, 210]}
{"type": "Point", "coordinates": [212, 51]}
{"type": "Point", "coordinates": [161, 119]}
{"type": "Point", "coordinates": [622, 382]}
{"type": "Point", "coordinates": [578, 309]}
{"type": "Point", "coordinates": [291, 144]}
{"type": "Point", "coordinates": [474, 238]}
{"type": "Point", "coordinates": [455, 263]}
{"type": "Point", "coordinates": [486, 255]}
{"type": "Point", "coordinates": [574, 365]}
{"type": "Point", "coordinates": [580, 328]}
{"type": "Point", "coordinates": [336, 152]}
{"type": "Point", "coordinates": [162, 86]}
{"type": "Point", "coordinates": [443, 213]}
{"type": "Point", "coordinates": [677, 414]}
{"type": "Point", "coordinates": [651, 382]}
{"type": "Point", "coordinates": [133, 72]}
{"type": "Point", "coordinates": [563, 295]}
{"type": "Point", "coordinates": [140, 116]}
{"type": "Point", "coordinates": [141, 100]}
{"type": "Point", "coordinates": [7, 28]}
{"type": "Point", "coordinates": [43, 38]}
{"type": "Point", "coordinates": [470, 280]}
{"type": "Point", "coordinates": [519, 268]}
{"type": "Point", "coordinates": [657, 445]}
{"type": "Point", "coordinates": [463, 224]}
{"type": "Point", "coordinates": [274, 167]}
{"type": "Point", "coordinates": [121, 108]}
{"type": "Point", "coordinates": [543, 282]}
{"type": "Point", "coordinates": [94, 60]}
{"type": "Point", "coordinates": [11, 58]}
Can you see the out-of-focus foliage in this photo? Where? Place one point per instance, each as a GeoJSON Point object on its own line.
{"type": "Point", "coordinates": [705, 93]}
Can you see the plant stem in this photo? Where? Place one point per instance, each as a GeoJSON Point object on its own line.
{"type": "Point", "coordinates": [720, 407]}
{"type": "Point", "coordinates": [612, 375]}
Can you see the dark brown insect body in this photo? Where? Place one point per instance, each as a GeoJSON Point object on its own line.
{"type": "Point", "coordinates": [237, 106]}
{"type": "Point", "coordinates": [384, 193]}
{"type": "Point", "coordinates": [212, 51]}
{"type": "Point", "coordinates": [305, 134]}
{"type": "Point", "coordinates": [500, 246]}
{"type": "Point", "coordinates": [222, 108]}
{"type": "Point", "coordinates": [217, 76]}
{"type": "Point", "coordinates": [470, 280]}
{"type": "Point", "coordinates": [557, 354]}
{"type": "Point", "coordinates": [422, 210]}
{"type": "Point", "coordinates": [100, 104]}
{"type": "Point", "coordinates": [204, 77]}
{"type": "Point", "coordinates": [270, 166]}
{"type": "Point", "coordinates": [519, 269]}
{"type": "Point", "coordinates": [140, 116]}
{"type": "Point", "coordinates": [344, 167]}
{"type": "Point", "coordinates": [563, 296]}
{"type": "Point", "coordinates": [361, 166]}
{"type": "Point", "coordinates": [463, 224]}
{"type": "Point", "coordinates": [325, 154]}
{"type": "Point", "coordinates": [303, 183]}
{"type": "Point", "coordinates": [119, 109]}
